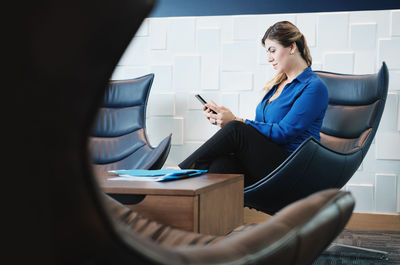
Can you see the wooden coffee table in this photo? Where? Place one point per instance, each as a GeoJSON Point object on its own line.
{"type": "Point", "coordinates": [208, 204]}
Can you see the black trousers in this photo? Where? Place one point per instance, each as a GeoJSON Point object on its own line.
{"type": "Point", "coordinates": [237, 148]}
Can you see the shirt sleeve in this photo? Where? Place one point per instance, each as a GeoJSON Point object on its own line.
{"type": "Point", "coordinates": [308, 107]}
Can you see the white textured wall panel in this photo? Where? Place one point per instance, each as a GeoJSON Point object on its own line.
{"type": "Point", "coordinates": [181, 103]}
{"type": "Point", "coordinates": [389, 116]}
{"type": "Point", "coordinates": [129, 72]}
{"type": "Point", "coordinates": [381, 18]}
{"type": "Point", "coordinates": [248, 103]}
{"type": "Point", "coordinates": [245, 27]}
{"type": "Point", "coordinates": [178, 153]}
{"type": "Point", "coordinates": [364, 195]}
{"type": "Point", "coordinates": [161, 104]}
{"type": "Point", "coordinates": [262, 55]}
{"type": "Point", "coordinates": [386, 166]}
{"type": "Point", "coordinates": [364, 62]}
{"type": "Point", "coordinates": [209, 40]}
{"type": "Point", "coordinates": [339, 62]}
{"type": "Point", "coordinates": [225, 23]}
{"type": "Point", "coordinates": [221, 58]}
{"type": "Point", "coordinates": [163, 77]}
{"type": "Point", "coordinates": [160, 127]}
{"type": "Point", "coordinates": [262, 74]}
{"type": "Point", "coordinates": [363, 36]}
{"type": "Point", "coordinates": [197, 127]}
{"type": "Point", "coordinates": [398, 118]}
{"type": "Point", "coordinates": [316, 66]}
{"type": "Point", "coordinates": [161, 57]}
{"type": "Point", "coordinates": [398, 193]}
{"type": "Point", "coordinates": [385, 193]}
{"type": "Point", "coordinates": [395, 25]}
{"type": "Point", "coordinates": [239, 56]}
{"type": "Point", "coordinates": [388, 136]}
{"type": "Point", "coordinates": [394, 80]}
{"type": "Point", "coordinates": [388, 145]}
{"type": "Point", "coordinates": [307, 25]}
{"type": "Point", "coordinates": [362, 177]}
{"type": "Point", "coordinates": [186, 72]}
{"type": "Point", "coordinates": [210, 71]}
{"type": "Point", "coordinates": [175, 156]}
{"type": "Point", "coordinates": [158, 33]}
{"type": "Point", "coordinates": [369, 165]}
{"type": "Point", "coordinates": [236, 81]}
{"type": "Point", "coordinates": [388, 52]}
{"type": "Point", "coordinates": [333, 31]}
{"type": "Point", "coordinates": [181, 35]}
{"type": "Point", "coordinates": [230, 101]}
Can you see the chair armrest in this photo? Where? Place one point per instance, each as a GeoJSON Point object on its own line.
{"type": "Point", "coordinates": [310, 168]}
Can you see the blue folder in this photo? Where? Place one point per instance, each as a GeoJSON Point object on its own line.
{"type": "Point", "coordinates": [155, 175]}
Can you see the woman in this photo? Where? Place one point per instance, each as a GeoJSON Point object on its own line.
{"type": "Point", "coordinates": [291, 111]}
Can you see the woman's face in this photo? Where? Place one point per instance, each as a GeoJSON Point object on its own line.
{"type": "Point", "coordinates": [278, 55]}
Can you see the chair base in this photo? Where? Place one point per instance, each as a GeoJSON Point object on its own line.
{"type": "Point", "coordinates": [336, 249]}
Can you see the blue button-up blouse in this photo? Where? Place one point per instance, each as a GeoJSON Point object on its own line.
{"type": "Point", "coordinates": [296, 114]}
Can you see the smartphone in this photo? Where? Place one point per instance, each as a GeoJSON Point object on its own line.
{"type": "Point", "coordinates": [202, 100]}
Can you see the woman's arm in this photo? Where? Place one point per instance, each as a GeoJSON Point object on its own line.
{"type": "Point", "coordinates": [308, 107]}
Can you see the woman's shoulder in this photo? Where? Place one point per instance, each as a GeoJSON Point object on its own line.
{"type": "Point", "coordinates": [310, 78]}
{"type": "Point", "coordinates": [315, 82]}
{"type": "Point", "coordinates": [316, 87]}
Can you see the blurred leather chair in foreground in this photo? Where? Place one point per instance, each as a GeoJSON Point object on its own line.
{"type": "Point", "coordinates": [60, 216]}
{"type": "Point", "coordinates": [297, 234]}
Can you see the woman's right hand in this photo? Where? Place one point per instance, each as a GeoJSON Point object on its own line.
{"type": "Point", "coordinates": [207, 111]}
{"type": "Point", "coordinates": [220, 117]}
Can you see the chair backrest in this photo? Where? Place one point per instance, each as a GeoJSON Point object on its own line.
{"type": "Point", "coordinates": [356, 104]}
{"type": "Point", "coordinates": [119, 139]}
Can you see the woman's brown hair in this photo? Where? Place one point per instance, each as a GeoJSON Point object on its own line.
{"type": "Point", "coordinates": [285, 33]}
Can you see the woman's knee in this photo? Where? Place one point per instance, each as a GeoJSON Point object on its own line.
{"type": "Point", "coordinates": [234, 125]}
{"type": "Point", "coordinates": [227, 164]}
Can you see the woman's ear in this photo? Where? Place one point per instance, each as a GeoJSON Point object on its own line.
{"type": "Point", "coordinates": [293, 48]}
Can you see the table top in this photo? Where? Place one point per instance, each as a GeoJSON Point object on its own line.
{"type": "Point", "coordinates": [188, 186]}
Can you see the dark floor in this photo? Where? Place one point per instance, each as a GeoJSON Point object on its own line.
{"type": "Point", "coordinates": [388, 241]}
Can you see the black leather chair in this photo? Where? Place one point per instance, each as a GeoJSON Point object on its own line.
{"type": "Point", "coordinates": [356, 104]}
{"type": "Point", "coordinates": [119, 138]}
{"type": "Point", "coordinates": [56, 213]}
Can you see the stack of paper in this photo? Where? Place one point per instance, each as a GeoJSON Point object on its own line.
{"type": "Point", "coordinates": [155, 175]}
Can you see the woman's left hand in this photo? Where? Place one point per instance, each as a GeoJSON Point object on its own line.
{"type": "Point", "coordinates": [223, 116]}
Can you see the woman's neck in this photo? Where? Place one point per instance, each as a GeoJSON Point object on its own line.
{"type": "Point", "coordinates": [295, 70]}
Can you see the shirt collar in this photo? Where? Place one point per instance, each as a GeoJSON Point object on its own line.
{"type": "Point", "coordinates": [305, 75]}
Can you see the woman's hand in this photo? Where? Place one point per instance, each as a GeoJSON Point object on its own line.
{"type": "Point", "coordinates": [223, 115]}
